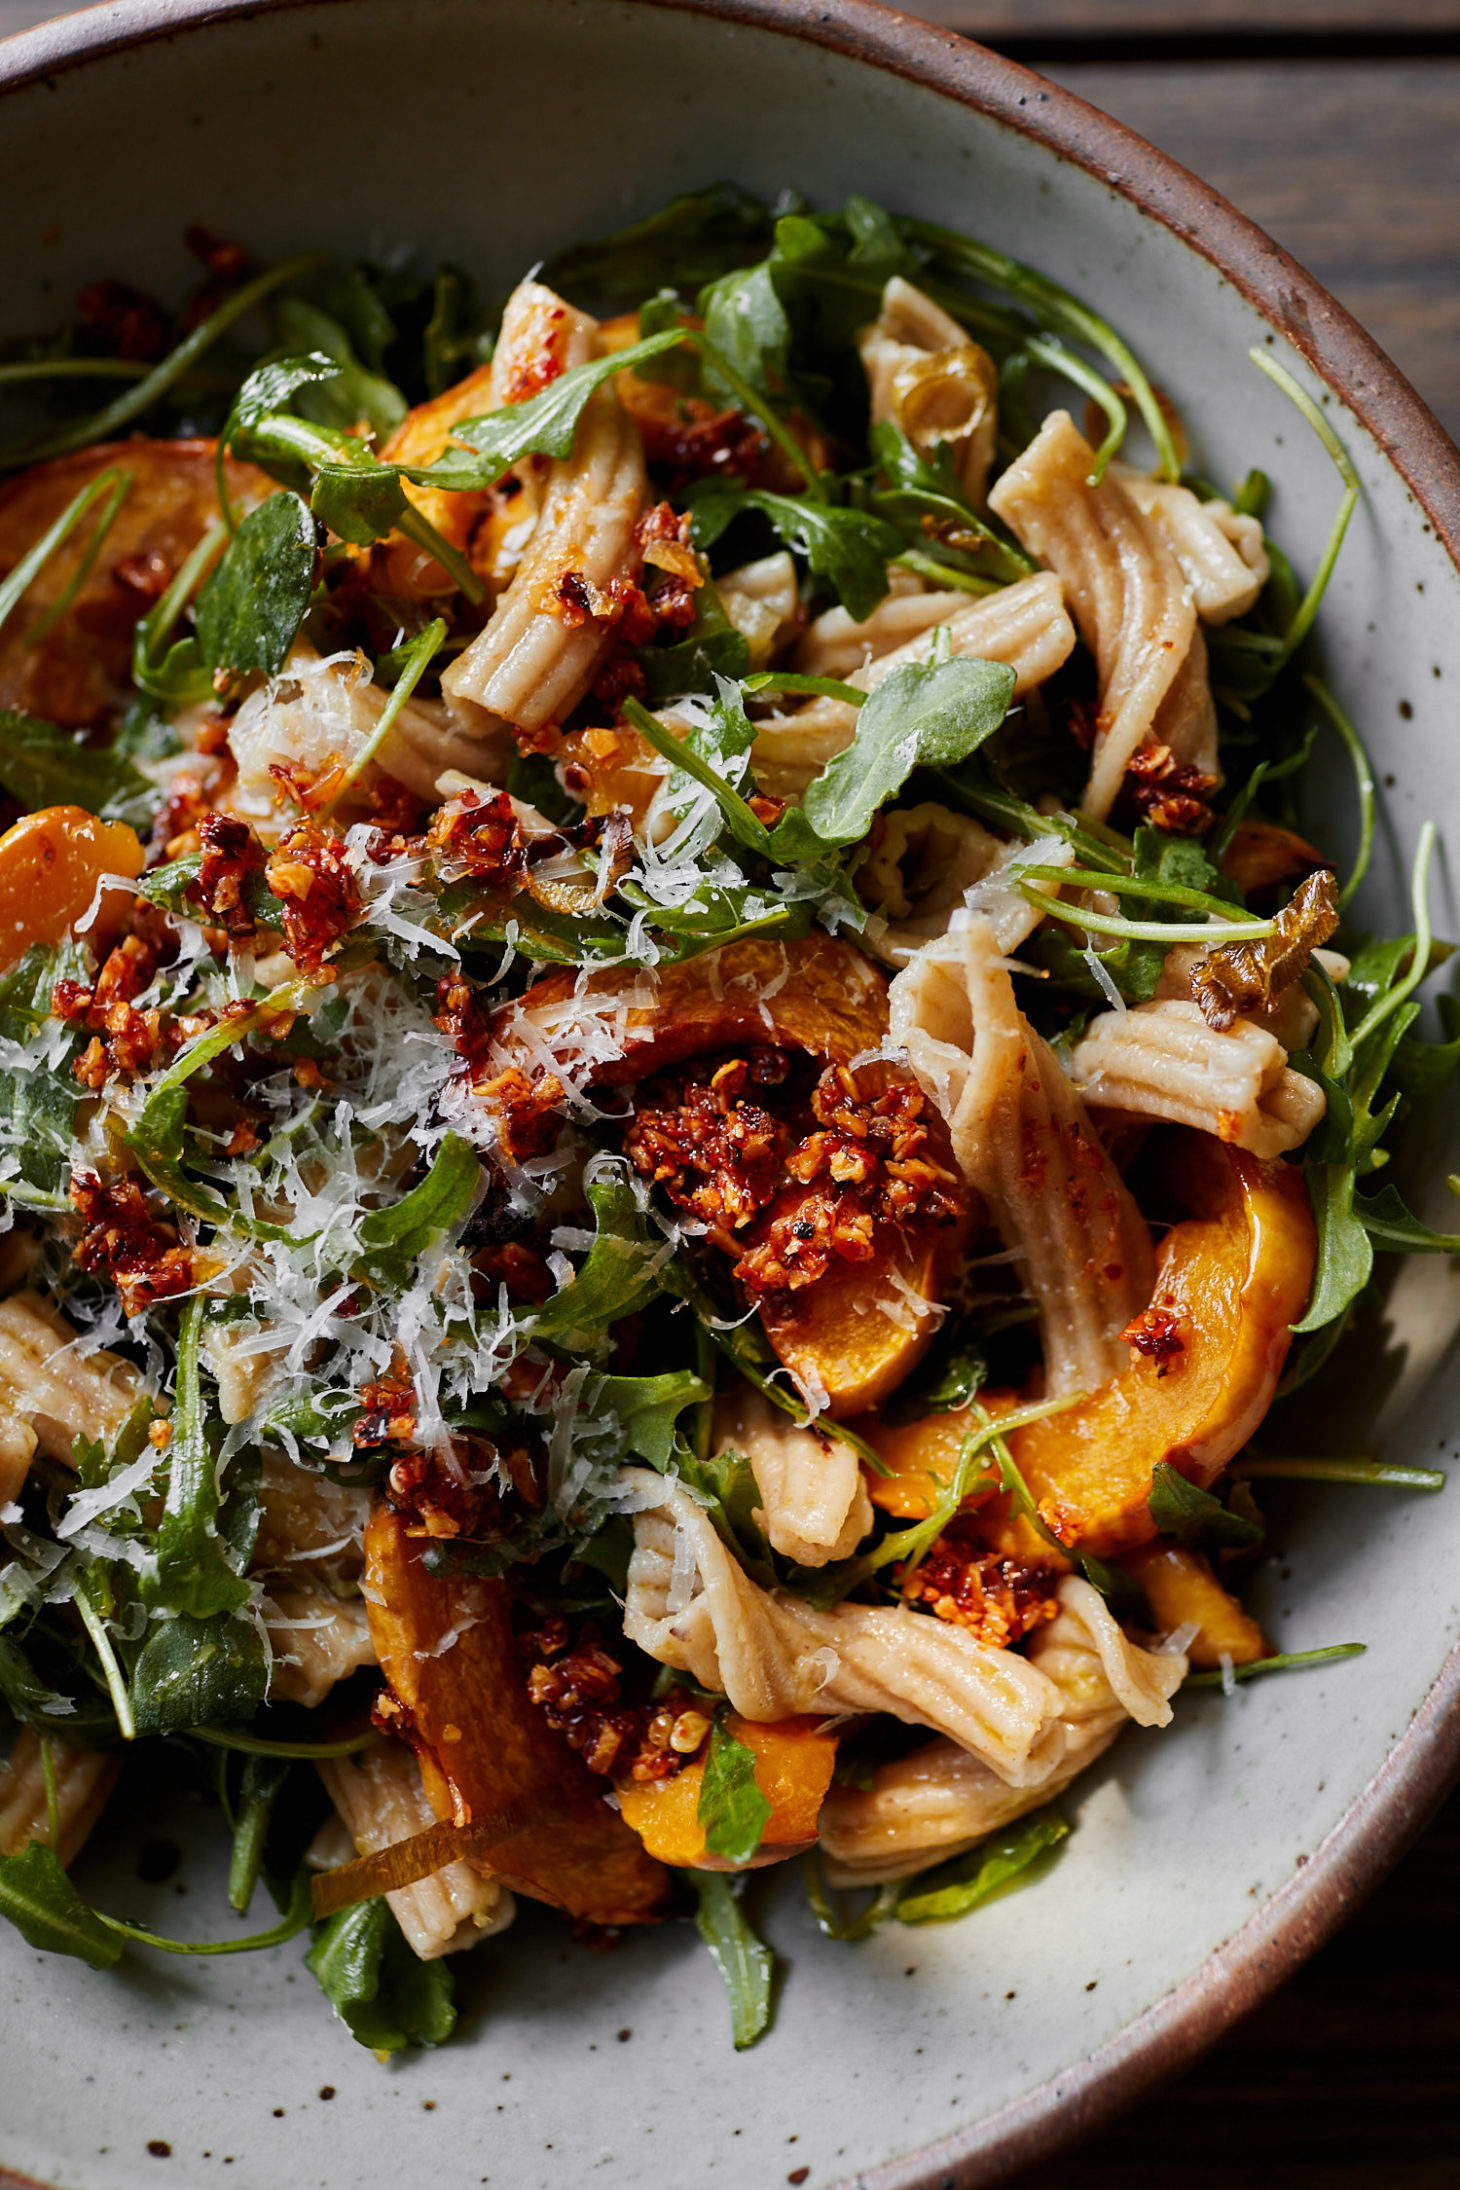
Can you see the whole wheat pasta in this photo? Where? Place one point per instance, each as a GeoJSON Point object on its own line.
{"type": "Point", "coordinates": [814, 1504]}
{"type": "Point", "coordinates": [1023, 1139]}
{"type": "Point", "coordinates": [762, 600]}
{"type": "Point", "coordinates": [837, 645]}
{"type": "Point", "coordinates": [380, 1800]}
{"type": "Point", "coordinates": [1024, 625]}
{"type": "Point", "coordinates": [83, 1781]}
{"type": "Point", "coordinates": [1223, 556]}
{"type": "Point", "coordinates": [691, 1606]}
{"type": "Point", "coordinates": [940, 1800]}
{"type": "Point", "coordinates": [928, 864]}
{"type": "Point", "coordinates": [1162, 1060]}
{"type": "Point", "coordinates": [50, 1392]}
{"type": "Point", "coordinates": [939, 387]}
{"type": "Point", "coordinates": [1125, 587]}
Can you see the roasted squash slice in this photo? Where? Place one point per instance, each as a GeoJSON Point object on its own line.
{"type": "Point", "coordinates": [483, 1745]}
{"type": "Point", "coordinates": [80, 670]}
{"type": "Point", "coordinates": [397, 565]}
{"type": "Point", "coordinates": [50, 864]}
{"type": "Point", "coordinates": [1232, 1279]}
{"type": "Point", "coordinates": [853, 1333]}
{"type": "Point", "coordinates": [794, 1760]}
{"type": "Point", "coordinates": [1182, 1590]}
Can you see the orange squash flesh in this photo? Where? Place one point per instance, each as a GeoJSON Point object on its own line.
{"type": "Point", "coordinates": [1235, 1276]}
{"type": "Point", "coordinates": [819, 996]}
{"type": "Point", "coordinates": [793, 1767]}
{"type": "Point", "coordinates": [1181, 1588]}
{"type": "Point", "coordinates": [397, 565]}
{"type": "Point", "coordinates": [50, 864]}
{"type": "Point", "coordinates": [482, 1743]}
{"type": "Point", "coordinates": [81, 670]}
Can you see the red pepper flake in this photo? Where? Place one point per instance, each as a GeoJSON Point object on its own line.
{"type": "Point", "coordinates": [1156, 1334]}
{"type": "Point", "coordinates": [123, 1239]}
{"type": "Point", "coordinates": [309, 873]}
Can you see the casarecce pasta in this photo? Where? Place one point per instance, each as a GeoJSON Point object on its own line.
{"type": "Point", "coordinates": [670, 1098]}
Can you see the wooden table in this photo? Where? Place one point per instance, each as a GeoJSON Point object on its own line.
{"type": "Point", "coordinates": [1336, 125]}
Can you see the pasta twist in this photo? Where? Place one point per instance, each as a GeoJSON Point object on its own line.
{"type": "Point", "coordinates": [940, 388]}
{"type": "Point", "coordinates": [380, 1800]}
{"type": "Point", "coordinates": [1162, 1060]}
{"type": "Point", "coordinates": [814, 1503]}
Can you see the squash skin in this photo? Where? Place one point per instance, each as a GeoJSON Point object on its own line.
{"type": "Point", "coordinates": [50, 864]}
{"type": "Point", "coordinates": [482, 1743]}
{"type": "Point", "coordinates": [1235, 1276]}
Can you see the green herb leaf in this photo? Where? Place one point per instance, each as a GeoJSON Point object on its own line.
{"type": "Point", "coordinates": [193, 1671]}
{"type": "Point", "coordinates": [263, 1781]}
{"type": "Point", "coordinates": [1194, 1517]}
{"type": "Point", "coordinates": [1391, 1225]}
{"type": "Point", "coordinates": [647, 1408]}
{"type": "Point", "coordinates": [39, 1094]}
{"type": "Point", "coordinates": [358, 502]}
{"type": "Point", "coordinates": [847, 549]}
{"type": "Point", "coordinates": [744, 1961]}
{"type": "Point", "coordinates": [621, 1273]}
{"type": "Point", "coordinates": [45, 1908]}
{"type": "Point", "coordinates": [352, 391]}
{"type": "Point", "coordinates": [384, 1995]}
{"type": "Point", "coordinates": [249, 612]}
{"type": "Point", "coordinates": [393, 1239]}
{"type": "Point", "coordinates": [1345, 1250]}
{"type": "Point", "coordinates": [193, 1572]}
{"type": "Point", "coordinates": [694, 238]}
{"type": "Point", "coordinates": [732, 1808]}
{"type": "Point", "coordinates": [922, 715]}
{"type": "Point", "coordinates": [1291, 1661]}
{"type": "Point", "coordinates": [746, 322]}
{"type": "Point", "coordinates": [967, 1882]}
{"type": "Point", "coordinates": [543, 426]}
{"type": "Point", "coordinates": [43, 766]}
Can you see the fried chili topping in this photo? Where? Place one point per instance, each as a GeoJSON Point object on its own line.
{"type": "Point", "coordinates": [231, 853]}
{"type": "Point", "coordinates": [998, 1600]}
{"type": "Point", "coordinates": [1156, 1334]}
{"type": "Point", "coordinates": [578, 1688]}
{"type": "Point", "coordinates": [1241, 977]}
{"type": "Point", "coordinates": [311, 876]}
{"type": "Point", "coordinates": [1168, 793]}
{"type": "Point", "coordinates": [482, 835]}
{"type": "Point", "coordinates": [123, 1239]}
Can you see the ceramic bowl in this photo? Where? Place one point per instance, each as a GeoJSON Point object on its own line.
{"type": "Point", "coordinates": [1206, 1861]}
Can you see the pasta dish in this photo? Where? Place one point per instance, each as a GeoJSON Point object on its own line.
{"type": "Point", "coordinates": [676, 1083]}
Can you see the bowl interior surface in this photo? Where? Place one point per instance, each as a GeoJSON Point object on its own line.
{"type": "Point", "coordinates": [491, 132]}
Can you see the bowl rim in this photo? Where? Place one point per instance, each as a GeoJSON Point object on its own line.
{"type": "Point", "coordinates": [1425, 1761]}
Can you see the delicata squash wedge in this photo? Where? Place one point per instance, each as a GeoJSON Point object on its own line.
{"type": "Point", "coordinates": [1231, 1281]}
{"type": "Point", "coordinates": [506, 1310]}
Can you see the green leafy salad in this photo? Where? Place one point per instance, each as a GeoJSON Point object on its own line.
{"type": "Point", "coordinates": [676, 1081]}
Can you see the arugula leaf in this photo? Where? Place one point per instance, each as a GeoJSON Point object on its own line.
{"type": "Point", "coordinates": [848, 549]}
{"type": "Point", "coordinates": [919, 488]}
{"type": "Point", "coordinates": [732, 1809]}
{"type": "Point", "coordinates": [39, 1096]}
{"type": "Point", "coordinates": [647, 1408]}
{"type": "Point", "coordinates": [1345, 1258]}
{"type": "Point", "coordinates": [262, 1783]}
{"type": "Point", "coordinates": [1390, 1224]}
{"type": "Point", "coordinates": [545, 425]}
{"type": "Point", "coordinates": [697, 236]}
{"type": "Point", "coordinates": [746, 322]}
{"type": "Point", "coordinates": [90, 1723]}
{"type": "Point", "coordinates": [43, 766]}
{"type": "Point", "coordinates": [249, 612]}
{"type": "Point", "coordinates": [949, 1378]}
{"type": "Point", "coordinates": [1194, 1517]}
{"type": "Point", "coordinates": [393, 1239]}
{"type": "Point", "coordinates": [192, 1572]}
{"type": "Point", "coordinates": [384, 1995]}
{"type": "Point", "coordinates": [964, 1884]}
{"type": "Point", "coordinates": [922, 715]}
{"type": "Point", "coordinates": [351, 391]}
{"type": "Point", "coordinates": [45, 1908]}
{"type": "Point", "coordinates": [744, 1961]}
{"type": "Point", "coordinates": [193, 1671]}
{"type": "Point", "coordinates": [711, 648]}
{"type": "Point", "coordinates": [621, 1273]}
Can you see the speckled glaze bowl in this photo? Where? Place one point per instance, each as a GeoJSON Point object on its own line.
{"type": "Point", "coordinates": [1207, 1861]}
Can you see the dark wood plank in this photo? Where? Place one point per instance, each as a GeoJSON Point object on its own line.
{"type": "Point", "coordinates": [1348, 2079]}
{"type": "Point", "coordinates": [1000, 19]}
{"type": "Point", "coordinates": [1355, 167]}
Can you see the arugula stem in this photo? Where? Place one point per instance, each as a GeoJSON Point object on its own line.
{"type": "Point", "coordinates": [748, 825]}
{"type": "Point", "coordinates": [295, 1919]}
{"type": "Point", "coordinates": [1362, 1470]}
{"type": "Point", "coordinates": [752, 405]}
{"type": "Point", "coordinates": [158, 622]}
{"type": "Point", "coordinates": [944, 574]}
{"type": "Point", "coordinates": [1363, 778]}
{"type": "Point", "coordinates": [1291, 1661]}
{"type": "Point", "coordinates": [1143, 931]}
{"type": "Point", "coordinates": [49, 618]}
{"type": "Point", "coordinates": [1307, 609]}
{"type": "Point", "coordinates": [34, 560]}
{"type": "Point", "coordinates": [1133, 885]}
{"type": "Point", "coordinates": [116, 1686]}
{"type": "Point", "coordinates": [1055, 358]}
{"type": "Point", "coordinates": [259, 1745]}
{"type": "Point", "coordinates": [53, 1798]}
{"type": "Point", "coordinates": [164, 376]}
{"type": "Point", "coordinates": [289, 999]}
{"type": "Point", "coordinates": [1419, 964]}
{"type": "Point", "coordinates": [413, 667]}
{"type": "Point", "coordinates": [1060, 311]}
{"type": "Point", "coordinates": [418, 527]}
